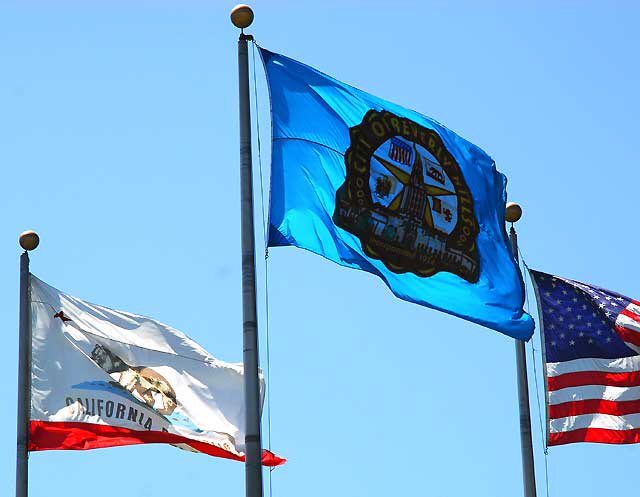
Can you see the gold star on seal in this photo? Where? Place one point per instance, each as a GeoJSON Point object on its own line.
{"type": "Point", "coordinates": [404, 178]}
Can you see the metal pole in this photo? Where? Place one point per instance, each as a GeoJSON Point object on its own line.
{"type": "Point", "coordinates": [24, 381]}
{"type": "Point", "coordinates": [253, 450]}
{"type": "Point", "coordinates": [526, 443]}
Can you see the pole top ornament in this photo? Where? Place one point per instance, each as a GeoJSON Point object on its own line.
{"type": "Point", "coordinates": [241, 16]}
{"type": "Point", "coordinates": [29, 240]}
{"type": "Point", "coordinates": [513, 212]}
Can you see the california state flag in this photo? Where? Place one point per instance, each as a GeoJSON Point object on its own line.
{"type": "Point", "coordinates": [102, 378]}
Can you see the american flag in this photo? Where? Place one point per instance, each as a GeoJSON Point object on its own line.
{"type": "Point", "coordinates": [591, 352]}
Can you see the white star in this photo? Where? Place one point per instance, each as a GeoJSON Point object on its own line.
{"type": "Point", "coordinates": [590, 340]}
{"type": "Point", "coordinates": [608, 314]}
{"type": "Point", "coordinates": [620, 299]}
{"type": "Point", "coordinates": [562, 335]}
{"type": "Point", "coordinates": [579, 317]}
{"type": "Point", "coordinates": [584, 307]}
{"type": "Point", "coordinates": [553, 344]}
{"type": "Point", "coordinates": [571, 326]}
{"type": "Point", "coordinates": [575, 299]}
{"type": "Point", "coordinates": [608, 298]}
{"type": "Point", "coordinates": [581, 334]}
{"type": "Point", "coordinates": [613, 304]}
{"type": "Point", "coordinates": [589, 324]}
{"type": "Point", "coordinates": [608, 339]}
{"type": "Point", "coordinates": [548, 294]}
{"type": "Point", "coordinates": [596, 296]}
{"type": "Point", "coordinates": [601, 306]}
{"type": "Point", "coordinates": [569, 309]}
{"type": "Point", "coordinates": [558, 301]}
{"type": "Point", "coordinates": [572, 342]}
{"type": "Point", "coordinates": [599, 332]}
{"type": "Point", "coordinates": [560, 318]}
{"type": "Point", "coordinates": [564, 292]}
{"type": "Point", "coordinates": [552, 326]}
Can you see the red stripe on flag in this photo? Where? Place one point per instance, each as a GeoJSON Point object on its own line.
{"type": "Point", "coordinates": [628, 335]}
{"type": "Point", "coordinates": [630, 314]}
{"type": "Point", "coordinates": [598, 435]}
{"type": "Point", "coordinates": [45, 435]}
{"type": "Point", "coordinates": [581, 378]}
{"type": "Point", "coordinates": [591, 406]}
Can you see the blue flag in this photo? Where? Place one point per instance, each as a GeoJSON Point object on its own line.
{"type": "Point", "coordinates": [373, 186]}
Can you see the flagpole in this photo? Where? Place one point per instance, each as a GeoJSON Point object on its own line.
{"type": "Point", "coordinates": [513, 214]}
{"type": "Point", "coordinates": [28, 241]}
{"type": "Point", "coordinates": [242, 17]}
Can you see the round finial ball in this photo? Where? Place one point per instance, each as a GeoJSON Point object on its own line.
{"type": "Point", "coordinates": [513, 212]}
{"type": "Point", "coordinates": [29, 240]}
{"type": "Point", "coordinates": [241, 16]}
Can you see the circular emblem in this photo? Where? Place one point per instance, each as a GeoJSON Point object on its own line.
{"type": "Point", "coordinates": [406, 200]}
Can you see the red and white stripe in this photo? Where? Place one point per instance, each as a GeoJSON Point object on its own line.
{"type": "Point", "coordinates": [628, 325]}
{"type": "Point", "coordinates": [597, 400]}
{"type": "Point", "coordinates": [594, 400]}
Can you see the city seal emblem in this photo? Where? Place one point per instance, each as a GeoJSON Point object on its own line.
{"type": "Point", "coordinates": [405, 198]}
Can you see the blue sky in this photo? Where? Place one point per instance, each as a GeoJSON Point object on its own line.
{"type": "Point", "coordinates": [119, 145]}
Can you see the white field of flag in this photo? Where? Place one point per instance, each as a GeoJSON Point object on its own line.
{"type": "Point", "coordinates": [103, 378]}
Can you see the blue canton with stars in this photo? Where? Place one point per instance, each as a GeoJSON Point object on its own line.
{"type": "Point", "coordinates": [579, 319]}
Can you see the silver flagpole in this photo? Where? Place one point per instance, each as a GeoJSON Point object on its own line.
{"type": "Point", "coordinates": [28, 241]}
{"type": "Point", "coordinates": [513, 214]}
{"type": "Point", "coordinates": [242, 17]}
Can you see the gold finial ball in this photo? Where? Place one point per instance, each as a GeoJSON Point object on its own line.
{"type": "Point", "coordinates": [513, 212]}
{"type": "Point", "coordinates": [241, 16]}
{"type": "Point", "coordinates": [29, 240]}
